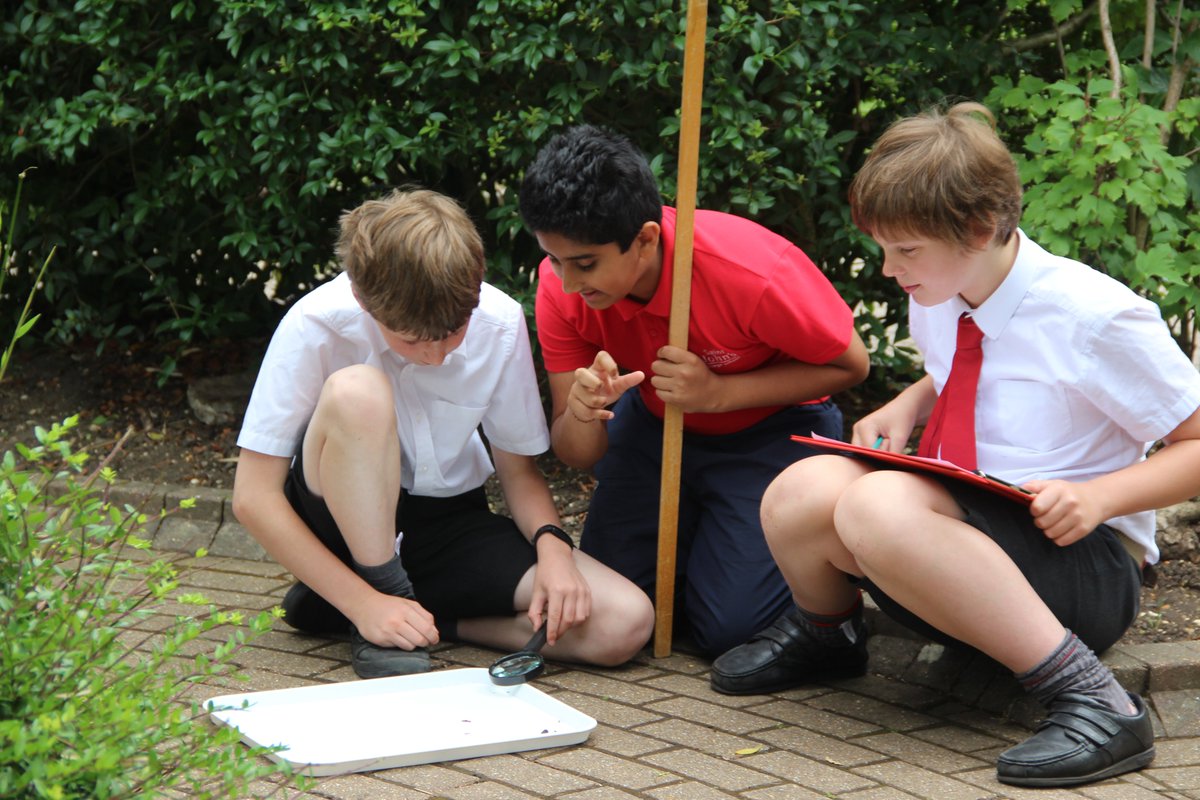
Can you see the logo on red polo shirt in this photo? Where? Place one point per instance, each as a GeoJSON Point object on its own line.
{"type": "Point", "coordinates": [718, 359]}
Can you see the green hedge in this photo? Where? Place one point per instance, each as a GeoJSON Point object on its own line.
{"type": "Point", "coordinates": [189, 155]}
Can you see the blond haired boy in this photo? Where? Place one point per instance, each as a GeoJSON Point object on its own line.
{"type": "Point", "coordinates": [362, 465]}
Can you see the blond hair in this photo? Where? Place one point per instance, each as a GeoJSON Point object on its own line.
{"type": "Point", "coordinates": [415, 260]}
{"type": "Point", "coordinates": [945, 175]}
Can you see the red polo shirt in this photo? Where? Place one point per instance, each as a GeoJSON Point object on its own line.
{"type": "Point", "coordinates": [756, 300]}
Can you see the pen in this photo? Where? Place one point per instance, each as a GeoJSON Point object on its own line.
{"type": "Point", "coordinates": [878, 443]}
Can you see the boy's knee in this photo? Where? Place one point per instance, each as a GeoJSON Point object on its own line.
{"type": "Point", "coordinates": [628, 629]}
{"type": "Point", "coordinates": [359, 395]}
{"type": "Point", "coordinates": [803, 497]}
{"type": "Point", "coordinates": [871, 511]}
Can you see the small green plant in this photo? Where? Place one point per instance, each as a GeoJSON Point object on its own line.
{"type": "Point", "coordinates": [24, 321]}
{"type": "Point", "coordinates": [94, 700]}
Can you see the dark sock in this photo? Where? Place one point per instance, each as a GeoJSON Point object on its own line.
{"type": "Point", "coordinates": [389, 577]}
{"type": "Point", "coordinates": [833, 630]}
{"type": "Point", "coordinates": [1073, 667]}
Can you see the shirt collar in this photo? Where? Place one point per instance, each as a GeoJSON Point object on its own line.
{"type": "Point", "coordinates": [993, 314]}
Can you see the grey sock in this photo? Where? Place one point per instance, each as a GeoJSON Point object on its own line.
{"type": "Point", "coordinates": [389, 577]}
{"type": "Point", "coordinates": [833, 630]}
{"type": "Point", "coordinates": [1073, 667]}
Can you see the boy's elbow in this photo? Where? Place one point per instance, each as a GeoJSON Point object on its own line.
{"type": "Point", "coordinates": [574, 461]}
{"type": "Point", "coordinates": [253, 483]}
{"type": "Point", "coordinates": [859, 372]}
{"type": "Point", "coordinates": [855, 362]}
{"type": "Point", "coordinates": [241, 503]}
{"type": "Point", "coordinates": [573, 457]}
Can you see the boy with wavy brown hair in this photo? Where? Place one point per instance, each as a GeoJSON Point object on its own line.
{"type": "Point", "coordinates": [1040, 371]}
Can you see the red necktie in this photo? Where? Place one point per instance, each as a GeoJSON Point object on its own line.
{"type": "Point", "coordinates": [950, 432]}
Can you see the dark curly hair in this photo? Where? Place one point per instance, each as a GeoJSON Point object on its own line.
{"type": "Point", "coordinates": [592, 186]}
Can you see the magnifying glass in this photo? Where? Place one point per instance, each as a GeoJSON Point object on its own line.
{"type": "Point", "coordinates": [523, 665]}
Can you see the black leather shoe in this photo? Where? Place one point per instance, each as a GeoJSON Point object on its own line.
{"type": "Point", "coordinates": [307, 611]}
{"type": "Point", "coordinates": [1080, 741]}
{"type": "Point", "coordinates": [783, 655]}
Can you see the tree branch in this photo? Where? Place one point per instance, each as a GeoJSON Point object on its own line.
{"type": "Point", "coordinates": [1051, 36]}
{"type": "Point", "coordinates": [1179, 70]}
{"type": "Point", "coordinates": [1110, 47]}
{"type": "Point", "coordinates": [1148, 38]}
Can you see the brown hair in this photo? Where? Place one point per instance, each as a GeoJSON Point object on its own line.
{"type": "Point", "coordinates": [942, 175]}
{"type": "Point", "coordinates": [415, 260]}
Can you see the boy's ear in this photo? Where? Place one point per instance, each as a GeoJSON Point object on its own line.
{"type": "Point", "coordinates": [649, 235]}
{"type": "Point", "coordinates": [983, 235]}
{"type": "Point", "coordinates": [354, 291]}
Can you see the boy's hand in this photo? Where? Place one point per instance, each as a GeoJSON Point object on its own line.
{"type": "Point", "coordinates": [682, 379]}
{"type": "Point", "coordinates": [561, 596]}
{"type": "Point", "coordinates": [1065, 511]}
{"type": "Point", "coordinates": [597, 387]}
{"type": "Point", "coordinates": [397, 622]}
{"type": "Point", "coordinates": [894, 422]}
{"type": "Point", "coordinates": [888, 426]}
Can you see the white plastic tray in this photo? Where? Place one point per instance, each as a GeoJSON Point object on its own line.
{"type": "Point", "coordinates": [397, 722]}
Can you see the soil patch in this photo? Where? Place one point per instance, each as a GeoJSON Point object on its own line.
{"type": "Point", "coordinates": [118, 390]}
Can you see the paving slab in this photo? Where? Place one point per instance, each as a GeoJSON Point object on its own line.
{"type": "Point", "coordinates": [924, 723]}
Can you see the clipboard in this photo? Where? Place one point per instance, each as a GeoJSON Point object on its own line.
{"type": "Point", "coordinates": [934, 466]}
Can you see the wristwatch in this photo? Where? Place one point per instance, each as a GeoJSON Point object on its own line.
{"type": "Point", "coordinates": [556, 532]}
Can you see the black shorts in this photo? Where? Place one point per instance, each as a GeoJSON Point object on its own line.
{"type": "Point", "coordinates": [464, 561]}
{"type": "Point", "coordinates": [1092, 586]}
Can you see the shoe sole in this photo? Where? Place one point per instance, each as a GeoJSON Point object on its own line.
{"type": "Point", "coordinates": [390, 674]}
{"type": "Point", "coordinates": [786, 685]}
{"type": "Point", "coordinates": [1134, 762]}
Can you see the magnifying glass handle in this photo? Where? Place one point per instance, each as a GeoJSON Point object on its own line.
{"type": "Point", "coordinates": [538, 641]}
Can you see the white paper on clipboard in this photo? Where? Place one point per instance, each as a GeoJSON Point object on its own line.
{"type": "Point", "coordinates": [383, 723]}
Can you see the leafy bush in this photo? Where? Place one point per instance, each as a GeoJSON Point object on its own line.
{"type": "Point", "coordinates": [87, 707]}
{"type": "Point", "coordinates": [192, 152]}
{"type": "Point", "coordinates": [195, 153]}
{"type": "Point", "coordinates": [1108, 158]}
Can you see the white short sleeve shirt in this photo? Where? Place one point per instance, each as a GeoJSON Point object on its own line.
{"type": "Point", "coordinates": [487, 382]}
{"type": "Point", "coordinates": [1080, 375]}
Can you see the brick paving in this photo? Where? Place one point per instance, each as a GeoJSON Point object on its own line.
{"type": "Point", "coordinates": [924, 723]}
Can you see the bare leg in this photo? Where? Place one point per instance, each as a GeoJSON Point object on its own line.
{"type": "Point", "coordinates": [907, 535]}
{"type": "Point", "coordinates": [797, 518]}
{"type": "Point", "coordinates": [352, 460]}
{"type": "Point", "coordinates": [620, 624]}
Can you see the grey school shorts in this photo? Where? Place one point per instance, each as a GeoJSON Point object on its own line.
{"type": "Point", "coordinates": [1093, 586]}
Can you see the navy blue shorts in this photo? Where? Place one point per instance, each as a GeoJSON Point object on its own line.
{"type": "Point", "coordinates": [727, 584]}
{"type": "Point", "coordinates": [463, 560]}
{"type": "Point", "coordinates": [1092, 586]}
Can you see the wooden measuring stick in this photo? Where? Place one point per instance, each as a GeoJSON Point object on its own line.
{"type": "Point", "coordinates": [681, 295]}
